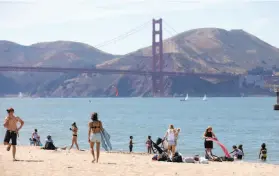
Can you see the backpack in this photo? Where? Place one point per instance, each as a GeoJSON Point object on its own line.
{"type": "Point", "coordinates": [177, 158]}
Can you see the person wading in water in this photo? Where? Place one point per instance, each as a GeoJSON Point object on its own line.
{"type": "Point", "coordinates": [10, 124]}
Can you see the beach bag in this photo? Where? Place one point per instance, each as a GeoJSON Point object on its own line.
{"type": "Point", "coordinates": [177, 158]}
{"type": "Point", "coordinates": [164, 157]}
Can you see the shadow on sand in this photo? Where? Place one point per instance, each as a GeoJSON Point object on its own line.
{"type": "Point", "coordinates": [34, 161]}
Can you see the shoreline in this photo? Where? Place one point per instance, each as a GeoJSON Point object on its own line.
{"type": "Point", "coordinates": [34, 161]}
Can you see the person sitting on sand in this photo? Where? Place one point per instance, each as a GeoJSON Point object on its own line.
{"type": "Point", "coordinates": [263, 152]}
{"type": "Point", "coordinates": [35, 138]}
{"type": "Point", "coordinates": [74, 129]}
{"type": "Point", "coordinates": [94, 135]}
{"type": "Point", "coordinates": [131, 144]}
{"type": "Point", "coordinates": [49, 145]}
{"type": "Point", "coordinates": [237, 153]}
{"type": "Point", "coordinates": [10, 123]}
{"type": "Point", "coordinates": [240, 147]}
{"type": "Point", "coordinates": [170, 136]}
{"type": "Point", "coordinates": [149, 144]}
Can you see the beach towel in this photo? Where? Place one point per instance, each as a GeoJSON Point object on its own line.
{"type": "Point", "coordinates": [221, 145]}
{"type": "Point", "coordinates": [105, 140]}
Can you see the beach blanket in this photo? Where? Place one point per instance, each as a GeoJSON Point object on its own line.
{"type": "Point", "coordinates": [105, 137]}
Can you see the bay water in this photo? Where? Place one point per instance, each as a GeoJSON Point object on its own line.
{"type": "Point", "coordinates": [247, 121]}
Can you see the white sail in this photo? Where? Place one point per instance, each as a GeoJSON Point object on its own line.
{"type": "Point", "coordinates": [20, 95]}
{"type": "Point", "coordinates": [204, 98]}
{"type": "Point", "coordinates": [186, 98]}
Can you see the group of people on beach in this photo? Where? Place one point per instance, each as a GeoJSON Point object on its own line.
{"type": "Point", "coordinates": [171, 137]}
{"type": "Point", "coordinates": [237, 153]}
{"type": "Point", "coordinates": [95, 127]}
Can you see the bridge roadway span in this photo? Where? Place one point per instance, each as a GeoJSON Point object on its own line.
{"type": "Point", "coordinates": [113, 71]}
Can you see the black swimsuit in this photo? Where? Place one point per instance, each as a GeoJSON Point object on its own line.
{"type": "Point", "coordinates": [208, 144]}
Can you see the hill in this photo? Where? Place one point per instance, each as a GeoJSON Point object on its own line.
{"type": "Point", "coordinates": [208, 50]}
{"type": "Point", "coordinates": [58, 53]}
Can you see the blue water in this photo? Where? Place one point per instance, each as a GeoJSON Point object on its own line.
{"type": "Point", "coordinates": [247, 121]}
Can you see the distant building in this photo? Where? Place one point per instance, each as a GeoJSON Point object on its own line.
{"type": "Point", "coordinates": [252, 81]}
{"type": "Point", "coordinates": [260, 71]}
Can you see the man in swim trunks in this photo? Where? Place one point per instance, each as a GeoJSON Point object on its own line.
{"type": "Point", "coordinates": [10, 124]}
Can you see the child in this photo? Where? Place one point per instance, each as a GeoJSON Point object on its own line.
{"type": "Point", "coordinates": [131, 144]}
{"type": "Point", "coordinates": [240, 147]}
{"type": "Point", "coordinates": [237, 153]}
{"type": "Point", "coordinates": [263, 152]}
{"type": "Point", "coordinates": [148, 144]}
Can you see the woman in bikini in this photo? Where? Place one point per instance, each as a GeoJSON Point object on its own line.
{"type": "Point", "coordinates": [74, 129]}
{"type": "Point", "coordinates": [94, 135]}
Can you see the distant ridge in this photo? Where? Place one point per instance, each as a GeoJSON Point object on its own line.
{"type": "Point", "coordinates": [206, 50]}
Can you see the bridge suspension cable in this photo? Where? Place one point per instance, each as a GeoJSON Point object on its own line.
{"type": "Point", "coordinates": [123, 36]}
{"type": "Point", "coordinates": [175, 45]}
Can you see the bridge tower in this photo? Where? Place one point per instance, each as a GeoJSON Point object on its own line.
{"type": "Point", "coordinates": [158, 62]}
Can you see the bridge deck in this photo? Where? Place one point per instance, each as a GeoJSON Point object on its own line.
{"type": "Point", "coordinates": [111, 71]}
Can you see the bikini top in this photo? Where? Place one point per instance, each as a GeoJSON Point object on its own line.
{"type": "Point", "coordinates": [97, 126]}
{"type": "Point", "coordinates": [264, 151]}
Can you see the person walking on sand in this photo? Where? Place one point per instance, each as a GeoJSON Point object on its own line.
{"type": "Point", "coordinates": [10, 124]}
{"type": "Point", "coordinates": [131, 144]}
{"type": "Point", "coordinates": [94, 135]}
{"type": "Point", "coordinates": [74, 129]}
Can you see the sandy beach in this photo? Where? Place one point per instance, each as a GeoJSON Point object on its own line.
{"type": "Point", "coordinates": [35, 161]}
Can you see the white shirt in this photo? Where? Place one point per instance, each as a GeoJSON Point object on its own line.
{"type": "Point", "coordinates": [170, 135]}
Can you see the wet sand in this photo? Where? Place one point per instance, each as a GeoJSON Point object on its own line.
{"type": "Point", "coordinates": [36, 162]}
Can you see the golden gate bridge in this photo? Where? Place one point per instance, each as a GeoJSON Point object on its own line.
{"type": "Point", "coordinates": [157, 73]}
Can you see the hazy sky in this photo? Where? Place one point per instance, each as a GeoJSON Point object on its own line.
{"type": "Point", "coordinates": [97, 21]}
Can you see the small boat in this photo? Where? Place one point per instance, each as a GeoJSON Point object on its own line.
{"type": "Point", "coordinates": [204, 98]}
{"type": "Point", "coordinates": [20, 95]}
{"type": "Point", "coordinates": [185, 99]}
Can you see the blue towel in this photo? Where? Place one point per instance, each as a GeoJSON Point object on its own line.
{"type": "Point", "coordinates": [105, 140]}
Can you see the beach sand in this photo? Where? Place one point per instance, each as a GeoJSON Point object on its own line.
{"type": "Point", "coordinates": [70, 163]}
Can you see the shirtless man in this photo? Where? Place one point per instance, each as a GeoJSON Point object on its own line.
{"type": "Point", "coordinates": [12, 131]}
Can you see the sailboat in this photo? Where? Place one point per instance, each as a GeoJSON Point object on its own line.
{"type": "Point", "coordinates": [20, 95]}
{"type": "Point", "coordinates": [185, 99]}
{"type": "Point", "coordinates": [204, 98]}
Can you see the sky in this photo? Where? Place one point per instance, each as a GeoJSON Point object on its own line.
{"type": "Point", "coordinates": [123, 26]}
